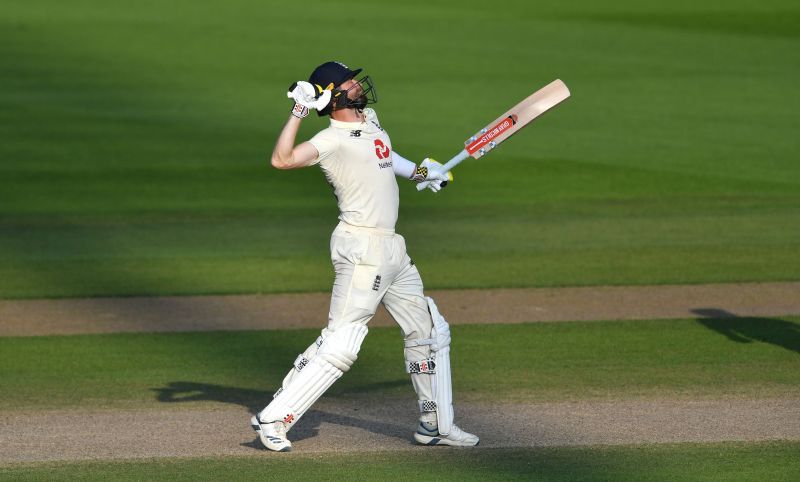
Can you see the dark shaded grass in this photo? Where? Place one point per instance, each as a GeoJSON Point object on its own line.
{"type": "Point", "coordinates": [775, 461]}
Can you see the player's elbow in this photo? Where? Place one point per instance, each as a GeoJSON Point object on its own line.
{"type": "Point", "coordinates": [280, 162]}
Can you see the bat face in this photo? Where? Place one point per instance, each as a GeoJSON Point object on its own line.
{"type": "Point", "coordinates": [516, 118]}
{"type": "Point", "coordinates": [475, 144]}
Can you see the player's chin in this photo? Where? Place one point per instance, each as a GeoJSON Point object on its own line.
{"type": "Point", "coordinates": [360, 103]}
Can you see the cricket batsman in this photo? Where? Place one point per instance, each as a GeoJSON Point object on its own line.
{"type": "Point", "coordinates": [369, 259]}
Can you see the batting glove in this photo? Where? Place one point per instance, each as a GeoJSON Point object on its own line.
{"type": "Point", "coordinates": [429, 175]}
{"type": "Point", "coordinates": [304, 95]}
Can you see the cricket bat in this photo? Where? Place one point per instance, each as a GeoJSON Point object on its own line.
{"type": "Point", "coordinates": [509, 123]}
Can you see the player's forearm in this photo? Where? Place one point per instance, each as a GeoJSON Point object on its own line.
{"type": "Point", "coordinates": [282, 154]}
{"type": "Point", "coordinates": [403, 167]}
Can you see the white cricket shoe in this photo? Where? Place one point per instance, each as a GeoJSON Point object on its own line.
{"type": "Point", "coordinates": [272, 434]}
{"type": "Point", "coordinates": [428, 434]}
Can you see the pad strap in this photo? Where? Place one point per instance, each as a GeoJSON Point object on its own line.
{"type": "Point", "coordinates": [422, 366]}
{"type": "Point", "coordinates": [427, 406]}
{"type": "Point", "coordinates": [422, 342]}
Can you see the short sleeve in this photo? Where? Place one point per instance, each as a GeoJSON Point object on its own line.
{"type": "Point", "coordinates": [326, 142]}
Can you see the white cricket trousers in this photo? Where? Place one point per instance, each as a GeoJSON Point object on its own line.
{"type": "Point", "coordinates": [371, 267]}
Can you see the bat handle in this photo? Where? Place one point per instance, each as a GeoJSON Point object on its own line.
{"type": "Point", "coordinates": [449, 165]}
{"type": "Point", "coordinates": [456, 160]}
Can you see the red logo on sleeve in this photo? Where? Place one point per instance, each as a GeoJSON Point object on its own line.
{"type": "Point", "coordinates": [381, 149]}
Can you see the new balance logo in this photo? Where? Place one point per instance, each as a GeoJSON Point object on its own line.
{"type": "Point", "coordinates": [355, 133]}
{"type": "Point", "coordinates": [377, 283]}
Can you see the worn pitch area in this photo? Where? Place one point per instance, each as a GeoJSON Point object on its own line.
{"type": "Point", "coordinates": [354, 426]}
{"type": "Point", "coordinates": [342, 424]}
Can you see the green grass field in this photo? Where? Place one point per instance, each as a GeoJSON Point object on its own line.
{"type": "Point", "coordinates": [705, 358]}
{"type": "Point", "coordinates": [135, 141]}
{"type": "Point", "coordinates": [774, 461]}
{"type": "Point", "coordinates": [691, 359]}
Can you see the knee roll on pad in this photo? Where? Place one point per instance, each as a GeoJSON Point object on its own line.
{"type": "Point", "coordinates": [336, 355]}
{"type": "Point", "coordinates": [341, 348]}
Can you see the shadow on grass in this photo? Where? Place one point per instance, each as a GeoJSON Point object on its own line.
{"type": "Point", "coordinates": [255, 400]}
{"type": "Point", "coordinates": [782, 333]}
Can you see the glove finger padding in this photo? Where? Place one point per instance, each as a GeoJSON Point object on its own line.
{"type": "Point", "coordinates": [323, 100]}
{"type": "Point", "coordinates": [435, 171]}
{"type": "Point", "coordinates": [434, 186]}
{"type": "Point", "coordinates": [304, 94]}
{"type": "Point", "coordinates": [435, 179]}
{"type": "Point", "coordinates": [301, 91]}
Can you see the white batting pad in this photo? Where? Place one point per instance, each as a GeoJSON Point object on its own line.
{"type": "Point", "coordinates": [300, 362]}
{"type": "Point", "coordinates": [442, 384]}
{"type": "Point", "coordinates": [336, 355]}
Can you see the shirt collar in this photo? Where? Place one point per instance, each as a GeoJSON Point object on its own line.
{"type": "Point", "coordinates": [346, 125]}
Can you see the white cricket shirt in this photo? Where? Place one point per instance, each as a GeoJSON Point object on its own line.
{"type": "Point", "coordinates": [356, 158]}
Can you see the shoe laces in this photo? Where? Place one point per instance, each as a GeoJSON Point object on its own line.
{"type": "Point", "coordinates": [456, 432]}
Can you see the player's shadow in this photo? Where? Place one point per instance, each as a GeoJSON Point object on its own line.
{"type": "Point", "coordinates": [774, 331]}
{"type": "Point", "coordinates": [207, 392]}
{"type": "Point", "coordinates": [255, 400]}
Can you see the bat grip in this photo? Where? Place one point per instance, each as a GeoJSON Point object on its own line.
{"type": "Point", "coordinates": [449, 165]}
{"type": "Point", "coordinates": [456, 160]}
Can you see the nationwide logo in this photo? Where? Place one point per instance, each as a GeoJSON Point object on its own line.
{"type": "Point", "coordinates": [381, 149]}
{"type": "Point", "coordinates": [475, 144]}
